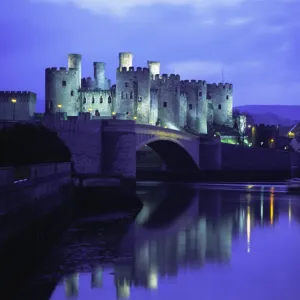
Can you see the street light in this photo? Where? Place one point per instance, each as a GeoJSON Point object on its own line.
{"type": "Point", "coordinates": [14, 101]}
{"type": "Point", "coordinates": [134, 118]}
{"type": "Point", "coordinates": [59, 107]}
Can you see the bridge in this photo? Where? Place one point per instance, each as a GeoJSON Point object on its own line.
{"type": "Point", "coordinates": [109, 146]}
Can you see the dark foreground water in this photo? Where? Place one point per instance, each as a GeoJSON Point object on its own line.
{"type": "Point", "coordinates": [186, 243]}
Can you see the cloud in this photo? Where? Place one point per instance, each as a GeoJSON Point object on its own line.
{"type": "Point", "coordinates": [239, 21]}
{"type": "Point", "coordinates": [123, 7]}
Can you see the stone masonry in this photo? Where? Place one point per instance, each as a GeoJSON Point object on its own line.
{"type": "Point", "coordinates": [143, 94]}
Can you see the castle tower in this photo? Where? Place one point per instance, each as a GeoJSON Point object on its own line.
{"type": "Point", "coordinates": [61, 91]}
{"type": "Point", "coordinates": [74, 62]}
{"type": "Point", "coordinates": [154, 67]}
{"type": "Point", "coordinates": [99, 75]}
{"type": "Point", "coordinates": [196, 110]}
{"type": "Point", "coordinates": [221, 97]}
{"type": "Point", "coordinates": [168, 100]}
{"type": "Point", "coordinates": [125, 60]}
{"type": "Point", "coordinates": [133, 94]}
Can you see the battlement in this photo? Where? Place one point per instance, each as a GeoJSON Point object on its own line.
{"type": "Point", "coordinates": [60, 70]}
{"type": "Point", "coordinates": [133, 70]}
{"type": "Point", "coordinates": [15, 93]}
{"type": "Point", "coordinates": [220, 85]}
{"type": "Point", "coordinates": [166, 77]}
{"type": "Point", "coordinates": [192, 83]}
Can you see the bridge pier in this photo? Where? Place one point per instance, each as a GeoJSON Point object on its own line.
{"type": "Point", "coordinates": [210, 153]}
{"type": "Point", "coordinates": [119, 148]}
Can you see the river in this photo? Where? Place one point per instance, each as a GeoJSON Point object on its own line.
{"type": "Point", "coordinates": [186, 243]}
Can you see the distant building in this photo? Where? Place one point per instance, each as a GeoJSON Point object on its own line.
{"type": "Point", "coordinates": [268, 136]}
{"type": "Point", "coordinates": [17, 106]}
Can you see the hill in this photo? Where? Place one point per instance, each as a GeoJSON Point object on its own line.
{"type": "Point", "coordinates": [286, 115]}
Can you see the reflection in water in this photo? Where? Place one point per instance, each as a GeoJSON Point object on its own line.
{"type": "Point", "coordinates": [72, 285]}
{"type": "Point", "coordinates": [271, 208]}
{"type": "Point", "coordinates": [97, 278]}
{"type": "Point", "coordinates": [290, 211]}
{"type": "Point", "coordinates": [248, 227]}
{"type": "Point", "coordinates": [167, 238]}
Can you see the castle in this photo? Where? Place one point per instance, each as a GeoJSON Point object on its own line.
{"type": "Point", "coordinates": [142, 94]}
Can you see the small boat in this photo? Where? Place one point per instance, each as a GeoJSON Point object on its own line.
{"type": "Point", "coordinates": [293, 184]}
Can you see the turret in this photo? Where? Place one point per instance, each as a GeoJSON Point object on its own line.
{"type": "Point", "coordinates": [154, 67]}
{"type": "Point", "coordinates": [125, 60]}
{"type": "Point", "coordinates": [74, 62]}
{"type": "Point", "coordinates": [99, 75]}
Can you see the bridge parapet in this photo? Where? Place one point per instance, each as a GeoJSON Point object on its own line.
{"type": "Point", "coordinates": [164, 132]}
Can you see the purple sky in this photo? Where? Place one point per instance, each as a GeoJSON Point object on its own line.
{"type": "Point", "coordinates": [255, 41]}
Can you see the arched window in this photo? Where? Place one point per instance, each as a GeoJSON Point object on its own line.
{"type": "Point", "coordinates": [84, 100]}
{"type": "Point", "coordinates": [131, 95]}
{"type": "Point", "coordinates": [101, 99]}
{"type": "Point", "coordinates": [72, 93]}
{"type": "Point", "coordinates": [109, 99]}
{"type": "Point", "coordinates": [93, 100]}
{"type": "Point", "coordinates": [219, 106]}
{"type": "Point", "coordinates": [122, 95]}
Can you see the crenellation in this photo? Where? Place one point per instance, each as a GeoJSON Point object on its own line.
{"type": "Point", "coordinates": [140, 93]}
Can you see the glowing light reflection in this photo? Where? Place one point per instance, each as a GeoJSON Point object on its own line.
{"type": "Point", "coordinates": [248, 228]}
{"type": "Point", "coordinates": [271, 208]}
{"type": "Point", "coordinates": [290, 212]}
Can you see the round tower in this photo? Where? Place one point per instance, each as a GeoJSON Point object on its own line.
{"type": "Point", "coordinates": [202, 108]}
{"type": "Point", "coordinates": [125, 60]}
{"type": "Point", "coordinates": [61, 91]}
{"type": "Point", "coordinates": [154, 67]}
{"type": "Point", "coordinates": [222, 102]}
{"type": "Point", "coordinates": [74, 62]}
{"type": "Point", "coordinates": [99, 74]}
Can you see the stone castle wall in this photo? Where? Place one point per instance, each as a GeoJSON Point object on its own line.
{"type": "Point", "coordinates": [141, 93]}
{"type": "Point", "coordinates": [22, 110]}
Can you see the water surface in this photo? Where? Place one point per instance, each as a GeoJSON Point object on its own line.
{"type": "Point", "coordinates": [186, 243]}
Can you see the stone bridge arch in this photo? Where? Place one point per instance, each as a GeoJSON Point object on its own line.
{"type": "Point", "coordinates": [172, 153]}
{"type": "Point", "coordinates": [178, 150]}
